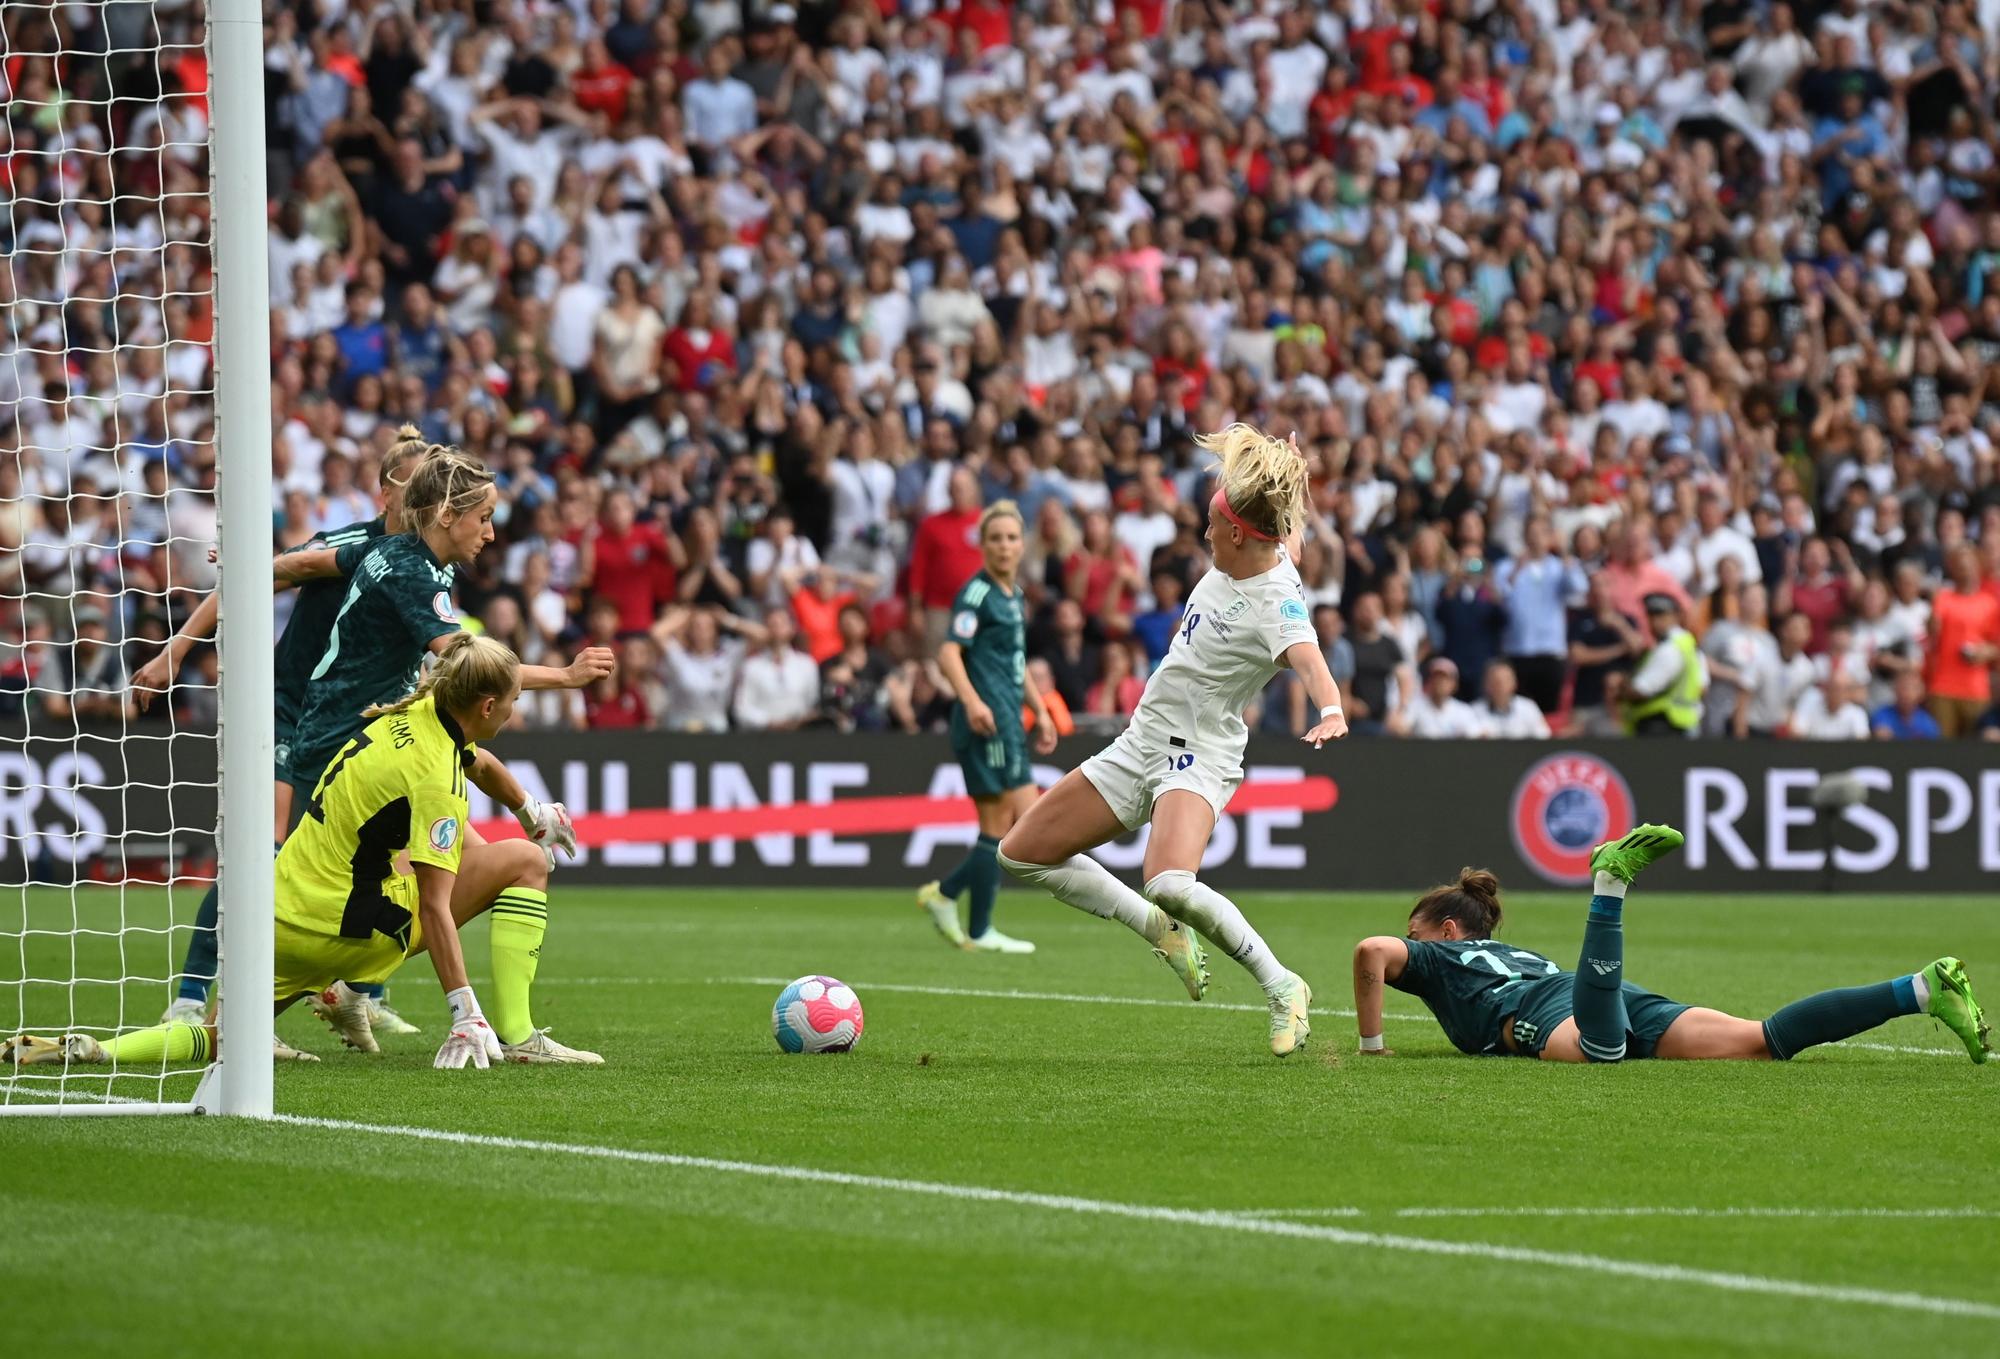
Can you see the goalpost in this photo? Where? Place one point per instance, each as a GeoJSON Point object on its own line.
{"type": "Point", "coordinates": [134, 353]}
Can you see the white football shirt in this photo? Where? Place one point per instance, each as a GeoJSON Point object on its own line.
{"type": "Point", "coordinates": [1225, 651]}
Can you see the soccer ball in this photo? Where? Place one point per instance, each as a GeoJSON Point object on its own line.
{"type": "Point", "coordinates": [817, 1014]}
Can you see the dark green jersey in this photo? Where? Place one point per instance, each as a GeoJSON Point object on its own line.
{"type": "Point", "coordinates": [398, 601]}
{"type": "Point", "coordinates": [986, 623]}
{"type": "Point", "coordinates": [315, 605]}
{"type": "Point", "coordinates": [1471, 985]}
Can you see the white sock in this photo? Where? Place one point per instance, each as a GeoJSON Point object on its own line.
{"type": "Point", "coordinates": [1608, 886]}
{"type": "Point", "coordinates": [1922, 986]}
{"type": "Point", "coordinates": [1086, 884]}
{"type": "Point", "coordinates": [1220, 921]}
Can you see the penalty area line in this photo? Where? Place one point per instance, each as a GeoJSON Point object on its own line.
{"type": "Point", "coordinates": [1066, 997]}
{"type": "Point", "coordinates": [1209, 1219]}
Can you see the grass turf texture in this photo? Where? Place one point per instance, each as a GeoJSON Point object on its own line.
{"type": "Point", "coordinates": [236, 1237]}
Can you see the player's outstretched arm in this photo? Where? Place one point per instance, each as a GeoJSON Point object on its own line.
{"type": "Point", "coordinates": [1378, 960]}
{"type": "Point", "coordinates": [472, 1038]}
{"type": "Point", "coordinates": [592, 664]}
{"type": "Point", "coordinates": [1309, 664]}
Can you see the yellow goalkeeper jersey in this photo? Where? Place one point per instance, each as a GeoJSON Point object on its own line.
{"type": "Point", "coordinates": [399, 785]}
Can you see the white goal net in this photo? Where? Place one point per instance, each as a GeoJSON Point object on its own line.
{"type": "Point", "coordinates": [109, 532]}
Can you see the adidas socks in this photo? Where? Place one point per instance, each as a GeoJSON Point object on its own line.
{"type": "Point", "coordinates": [1598, 998]}
{"type": "Point", "coordinates": [1833, 1015]}
{"type": "Point", "coordinates": [979, 872]}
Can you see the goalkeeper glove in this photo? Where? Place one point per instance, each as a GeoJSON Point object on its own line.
{"type": "Point", "coordinates": [472, 1038]}
{"type": "Point", "coordinates": [548, 825]}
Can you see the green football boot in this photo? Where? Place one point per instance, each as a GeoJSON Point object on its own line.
{"type": "Point", "coordinates": [1626, 859]}
{"type": "Point", "coordinates": [1953, 1005]}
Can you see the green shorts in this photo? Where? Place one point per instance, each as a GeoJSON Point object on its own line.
{"type": "Point", "coordinates": [993, 764]}
{"type": "Point", "coordinates": [1547, 1003]}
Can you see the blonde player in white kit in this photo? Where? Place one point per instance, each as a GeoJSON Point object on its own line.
{"type": "Point", "coordinates": [1181, 758]}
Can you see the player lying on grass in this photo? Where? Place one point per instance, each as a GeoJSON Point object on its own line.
{"type": "Point", "coordinates": [1179, 762]}
{"type": "Point", "coordinates": [397, 609]}
{"type": "Point", "coordinates": [986, 660]}
{"type": "Point", "coordinates": [343, 911]}
{"type": "Point", "coordinates": [1494, 998]}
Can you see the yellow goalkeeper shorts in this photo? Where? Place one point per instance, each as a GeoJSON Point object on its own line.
{"type": "Point", "coordinates": [307, 961]}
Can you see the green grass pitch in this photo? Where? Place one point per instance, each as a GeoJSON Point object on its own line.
{"type": "Point", "coordinates": [1323, 1197]}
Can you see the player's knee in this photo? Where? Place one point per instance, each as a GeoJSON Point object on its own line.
{"type": "Point", "coordinates": [529, 863]}
{"type": "Point", "coordinates": [1023, 869]}
{"type": "Point", "coordinates": [1170, 890]}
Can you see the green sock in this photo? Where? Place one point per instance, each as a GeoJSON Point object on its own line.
{"type": "Point", "coordinates": [160, 1044]}
{"type": "Point", "coordinates": [984, 864]}
{"type": "Point", "coordinates": [520, 917]}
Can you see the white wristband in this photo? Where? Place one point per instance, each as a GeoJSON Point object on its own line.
{"type": "Point", "coordinates": [1330, 710]}
{"type": "Point", "coordinates": [528, 813]}
{"type": "Point", "coordinates": [464, 1005]}
{"type": "Point", "coordinates": [1371, 1044]}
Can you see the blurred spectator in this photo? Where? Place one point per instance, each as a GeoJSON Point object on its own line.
{"type": "Point", "coordinates": [1536, 589]}
{"type": "Point", "coordinates": [1436, 712]}
{"type": "Point", "coordinates": [1964, 645]}
{"type": "Point", "coordinates": [1904, 718]}
{"type": "Point", "coordinates": [1381, 670]}
{"type": "Point", "coordinates": [778, 687]}
{"type": "Point", "coordinates": [1666, 690]}
{"type": "Point", "coordinates": [1829, 712]}
{"type": "Point", "coordinates": [1503, 712]}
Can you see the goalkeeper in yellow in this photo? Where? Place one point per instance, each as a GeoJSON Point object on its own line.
{"type": "Point", "coordinates": [344, 912]}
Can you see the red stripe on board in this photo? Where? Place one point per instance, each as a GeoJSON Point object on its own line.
{"type": "Point", "coordinates": [858, 816]}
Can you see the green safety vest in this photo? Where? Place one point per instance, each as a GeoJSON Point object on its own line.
{"type": "Point", "coordinates": [1682, 700]}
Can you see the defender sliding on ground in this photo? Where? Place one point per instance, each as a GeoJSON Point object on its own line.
{"type": "Point", "coordinates": [1494, 998]}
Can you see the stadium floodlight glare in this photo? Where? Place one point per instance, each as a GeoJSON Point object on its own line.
{"type": "Point", "coordinates": [137, 279]}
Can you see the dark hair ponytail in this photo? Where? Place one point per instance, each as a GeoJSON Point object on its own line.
{"type": "Point", "coordinates": [1473, 902]}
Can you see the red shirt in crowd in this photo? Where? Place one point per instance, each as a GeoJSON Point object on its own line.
{"type": "Point", "coordinates": [635, 571]}
{"type": "Point", "coordinates": [1822, 604]}
{"type": "Point", "coordinates": [604, 89]}
{"type": "Point", "coordinates": [992, 20]}
{"type": "Point", "coordinates": [625, 710]}
{"type": "Point", "coordinates": [1957, 621]}
{"type": "Point", "coordinates": [692, 351]}
{"type": "Point", "coordinates": [944, 557]}
{"type": "Point", "coordinates": [819, 621]}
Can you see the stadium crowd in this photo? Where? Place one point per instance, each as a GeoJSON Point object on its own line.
{"type": "Point", "coordinates": [1643, 354]}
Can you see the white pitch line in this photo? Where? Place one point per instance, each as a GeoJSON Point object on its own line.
{"type": "Point", "coordinates": [1197, 1217]}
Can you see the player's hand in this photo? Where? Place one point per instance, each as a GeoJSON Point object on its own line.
{"type": "Point", "coordinates": [548, 824]}
{"type": "Point", "coordinates": [592, 664]}
{"type": "Point", "coordinates": [1330, 728]}
{"type": "Point", "coordinates": [154, 677]}
{"type": "Point", "coordinates": [1045, 738]}
{"type": "Point", "coordinates": [472, 1038]}
{"type": "Point", "coordinates": [980, 718]}
{"type": "Point", "coordinates": [471, 1041]}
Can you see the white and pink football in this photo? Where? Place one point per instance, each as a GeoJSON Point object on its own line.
{"type": "Point", "coordinates": [817, 1014]}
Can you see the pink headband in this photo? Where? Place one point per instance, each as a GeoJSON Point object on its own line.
{"type": "Point", "coordinates": [1221, 502]}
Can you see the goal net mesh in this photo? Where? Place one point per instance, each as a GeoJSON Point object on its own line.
{"type": "Point", "coordinates": [107, 531]}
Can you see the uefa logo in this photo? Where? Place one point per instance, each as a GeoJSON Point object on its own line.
{"type": "Point", "coordinates": [1566, 806]}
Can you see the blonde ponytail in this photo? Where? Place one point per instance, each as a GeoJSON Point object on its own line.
{"type": "Point", "coordinates": [470, 670]}
{"type": "Point", "coordinates": [445, 482]}
{"type": "Point", "coordinates": [409, 448]}
{"type": "Point", "coordinates": [1263, 479]}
